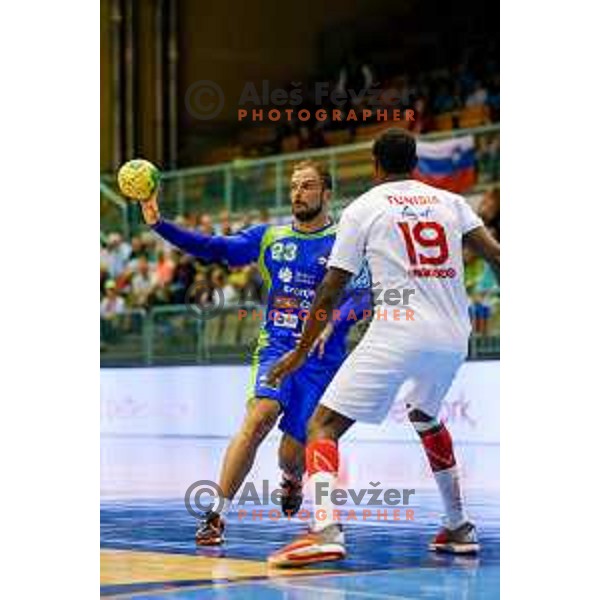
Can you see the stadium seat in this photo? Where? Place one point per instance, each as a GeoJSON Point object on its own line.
{"type": "Point", "coordinates": [444, 122]}
{"type": "Point", "coordinates": [336, 138]}
{"type": "Point", "coordinates": [289, 144]}
{"type": "Point", "coordinates": [473, 116]}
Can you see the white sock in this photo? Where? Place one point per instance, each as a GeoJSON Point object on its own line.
{"type": "Point", "coordinates": [448, 482]}
{"type": "Point", "coordinates": [325, 506]}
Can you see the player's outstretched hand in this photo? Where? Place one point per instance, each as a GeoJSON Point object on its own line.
{"type": "Point", "coordinates": [150, 210]}
{"type": "Point", "coordinates": [286, 365]}
{"type": "Point", "coordinates": [319, 345]}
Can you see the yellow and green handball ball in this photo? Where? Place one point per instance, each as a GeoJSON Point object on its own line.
{"type": "Point", "coordinates": [138, 178]}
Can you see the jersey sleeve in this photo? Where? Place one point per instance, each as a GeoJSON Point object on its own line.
{"type": "Point", "coordinates": [349, 247]}
{"type": "Point", "coordinates": [236, 250]}
{"type": "Point", "coordinates": [467, 217]}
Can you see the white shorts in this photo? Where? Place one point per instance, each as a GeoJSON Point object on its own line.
{"type": "Point", "coordinates": [380, 367]}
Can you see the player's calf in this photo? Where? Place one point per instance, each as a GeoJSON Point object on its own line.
{"type": "Point", "coordinates": [437, 443]}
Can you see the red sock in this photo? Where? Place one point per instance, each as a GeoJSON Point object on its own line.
{"type": "Point", "coordinates": [438, 447]}
{"type": "Point", "coordinates": [322, 455]}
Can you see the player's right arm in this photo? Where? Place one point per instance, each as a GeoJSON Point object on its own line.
{"type": "Point", "coordinates": [239, 249]}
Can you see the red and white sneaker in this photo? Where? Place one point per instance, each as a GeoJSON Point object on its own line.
{"type": "Point", "coordinates": [462, 540]}
{"type": "Point", "coordinates": [312, 547]}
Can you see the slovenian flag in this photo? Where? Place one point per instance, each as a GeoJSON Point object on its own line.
{"type": "Point", "coordinates": [448, 164]}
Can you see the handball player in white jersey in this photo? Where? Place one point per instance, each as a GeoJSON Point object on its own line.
{"type": "Point", "coordinates": [411, 236]}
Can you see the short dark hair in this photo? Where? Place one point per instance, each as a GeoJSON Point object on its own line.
{"type": "Point", "coordinates": [322, 171]}
{"type": "Point", "coordinates": [396, 151]}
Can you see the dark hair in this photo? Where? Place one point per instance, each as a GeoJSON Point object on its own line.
{"type": "Point", "coordinates": [324, 174]}
{"type": "Point", "coordinates": [396, 151]}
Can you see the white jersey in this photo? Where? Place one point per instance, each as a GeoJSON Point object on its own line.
{"type": "Point", "coordinates": [411, 236]}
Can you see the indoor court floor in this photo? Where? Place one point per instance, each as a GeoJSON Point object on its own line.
{"type": "Point", "coordinates": [148, 548]}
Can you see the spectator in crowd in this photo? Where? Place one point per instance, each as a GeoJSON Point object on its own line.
{"type": "Point", "coordinates": [183, 278]}
{"type": "Point", "coordinates": [225, 227]}
{"type": "Point", "coordinates": [137, 248]}
{"type": "Point", "coordinates": [206, 225]}
{"type": "Point", "coordinates": [163, 276]}
{"type": "Point", "coordinates": [111, 306]}
{"type": "Point", "coordinates": [478, 97]}
{"type": "Point", "coordinates": [116, 255]}
{"type": "Point", "coordinates": [489, 211]}
{"type": "Point", "coordinates": [422, 120]}
{"type": "Point", "coordinates": [104, 277]}
{"type": "Point", "coordinates": [223, 291]}
{"type": "Point", "coordinates": [142, 284]}
{"type": "Point", "coordinates": [181, 220]}
{"type": "Point", "coordinates": [164, 268]}
{"type": "Point", "coordinates": [480, 312]}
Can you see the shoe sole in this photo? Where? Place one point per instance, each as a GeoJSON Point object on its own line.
{"type": "Point", "coordinates": [455, 548]}
{"type": "Point", "coordinates": [334, 552]}
{"type": "Point", "coordinates": [212, 542]}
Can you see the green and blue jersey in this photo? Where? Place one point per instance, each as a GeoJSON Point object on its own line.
{"type": "Point", "coordinates": [292, 265]}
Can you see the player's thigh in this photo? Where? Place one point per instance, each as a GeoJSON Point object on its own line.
{"type": "Point", "coordinates": [306, 386]}
{"type": "Point", "coordinates": [366, 384]}
{"type": "Point", "coordinates": [265, 402]}
{"type": "Point", "coordinates": [430, 381]}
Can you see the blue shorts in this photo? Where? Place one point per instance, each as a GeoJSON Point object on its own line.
{"type": "Point", "coordinates": [299, 393]}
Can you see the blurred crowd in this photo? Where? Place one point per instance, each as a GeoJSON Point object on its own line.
{"type": "Point", "coordinates": [480, 281]}
{"type": "Point", "coordinates": [471, 83]}
{"type": "Point", "coordinates": [145, 271]}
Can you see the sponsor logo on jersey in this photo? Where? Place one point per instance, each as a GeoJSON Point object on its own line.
{"type": "Point", "coordinates": [285, 274]}
{"type": "Point", "coordinates": [322, 260]}
{"type": "Point", "coordinates": [410, 212]}
{"type": "Point", "coordinates": [284, 302]}
{"type": "Point", "coordinates": [285, 320]}
{"type": "Point", "coordinates": [305, 278]}
{"type": "Point", "coordinates": [438, 273]}
{"type": "Point", "coordinates": [299, 292]}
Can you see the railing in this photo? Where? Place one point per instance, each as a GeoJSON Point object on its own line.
{"type": "Point", "coordinates": [243, 185]}
{"type": "Point", "coordinates": [171, 335]}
